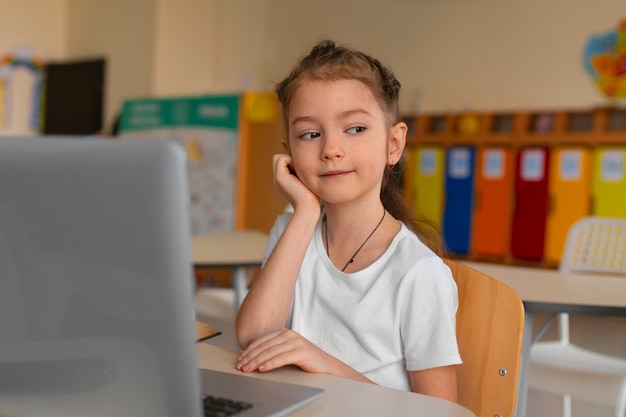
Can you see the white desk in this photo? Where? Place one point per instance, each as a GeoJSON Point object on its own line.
{"type": "Point", "coordinates": [342, 397]}
{"type": "Point", "coordinates": [237, 250]}
{"type": "Point", "coordinates": [549, 291]}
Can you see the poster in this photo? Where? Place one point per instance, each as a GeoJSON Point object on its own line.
{"type": "Point", "coordinates": [604, 59]}
{"type": "Point", "coordinates": [207, 128]}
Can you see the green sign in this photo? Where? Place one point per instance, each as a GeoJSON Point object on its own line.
{"type": "Point", "coordinates": [202, 111]}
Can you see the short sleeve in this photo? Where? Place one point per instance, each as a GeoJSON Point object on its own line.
{"type": "Point", "coordinates": [277, 230]}
{"type": "Point", "coordinates": [428, 324]}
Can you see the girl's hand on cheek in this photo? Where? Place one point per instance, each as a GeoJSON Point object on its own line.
{"type": "Point", "coordinates": [290, 185]}
{"type": "Point", "coordinates": [280, 348]}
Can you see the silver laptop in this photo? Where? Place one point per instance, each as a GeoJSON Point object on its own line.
{"type": "Point", "coordinates": [96, 306]}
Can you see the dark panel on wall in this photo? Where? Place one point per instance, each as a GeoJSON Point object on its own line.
{"type": "Point", "coordinates": [74, 97]}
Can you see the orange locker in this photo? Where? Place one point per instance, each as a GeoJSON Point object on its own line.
{"type": "Point", "coordinates": [492, 211]}
{"type": "Point", "coordinates": [569, 190]}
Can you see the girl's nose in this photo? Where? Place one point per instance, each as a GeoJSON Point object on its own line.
{"type": "Point", "coordinates": [332, 147]}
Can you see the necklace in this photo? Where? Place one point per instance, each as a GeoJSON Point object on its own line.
{"type": "Point", "coordinates": [362, 244]}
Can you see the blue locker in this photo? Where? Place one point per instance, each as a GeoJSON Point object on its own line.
{"type": "Point", "coordinates": [459, 188]}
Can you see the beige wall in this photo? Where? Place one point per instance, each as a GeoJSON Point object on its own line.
{"type": "Point", "coordinates": [481, 54]}
{"type": "Point", "coordinates": [38, 24]}
{"type": "Point", "coordinates": [185, 47]}
{"type": "Point", "coordinates": [449, 54]}
{"type": "Point", "coordinates": [124, 33]}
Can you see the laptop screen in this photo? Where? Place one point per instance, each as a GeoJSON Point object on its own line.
{"type": "Point", "coordinates": [96, 310]}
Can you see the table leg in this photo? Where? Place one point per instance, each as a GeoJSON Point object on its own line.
{"type": "Point", "coordinates": [522, 390]}
{"type": "Point", "coordinates": [240, 285]}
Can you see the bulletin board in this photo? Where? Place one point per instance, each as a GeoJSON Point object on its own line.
{"type": "Point", "coordinates": [207, 128]}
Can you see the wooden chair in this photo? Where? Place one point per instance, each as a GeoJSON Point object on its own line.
{"type": "Point", "coordinates": [594, 245]}
{"type": "Point", "coordinates": [490, 323]}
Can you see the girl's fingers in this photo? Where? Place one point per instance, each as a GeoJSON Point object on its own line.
{"type": "Point", "coordinates": [251, 353]}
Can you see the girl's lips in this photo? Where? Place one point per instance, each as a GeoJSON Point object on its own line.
{"type": "Point", "coordinates": [335, 173]}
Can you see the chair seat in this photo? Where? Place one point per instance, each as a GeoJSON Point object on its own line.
{"type": "Point", "coordinates": [568, 369]}
{"type": "Point", "coordinates": [571, 357]}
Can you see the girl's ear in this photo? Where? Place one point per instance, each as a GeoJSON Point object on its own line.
{"type": "Point", "coordinates": [286, 147]}
{"type": "Point", "coordinates": [397, 141]}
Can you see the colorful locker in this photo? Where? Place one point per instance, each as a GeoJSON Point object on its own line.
{"type": "Point", "coordinates": [569, 190]}
{"type": "Point", "coordinates": [459, 188]}
{"type": "Point", "coordinates": [528, 225]}
{"type": "Point", "coordinates": [492, 209]}
{"type": "Point", "coordinates": [609, 182]}
{"type": "Point", "coordinates": [428, 181]}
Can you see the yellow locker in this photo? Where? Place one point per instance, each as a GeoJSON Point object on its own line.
{"type": "Point", "coordinates": [609, 182]}
{"type": "Point", "coordinates": [569, 189]}
{"type": "Point", "coordinates": [428, 181]}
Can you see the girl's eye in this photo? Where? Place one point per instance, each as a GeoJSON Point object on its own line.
{"type": "Point", "coordinates": [356, 129]}
{"type": "Point", "coordinates": [309, 135]}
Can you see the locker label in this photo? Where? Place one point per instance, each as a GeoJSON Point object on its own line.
{"type": "Point", "coordinates": [571, 165]}
{"type": "Point", "coordinates": [532, 164]}
{"type": "Point", "coordinates": [493, 167]}
{"type": "Point", "coordinates": [460, 163]}
{"type": "Point", "coordinates": [612, 166]}
{"type": "Point", "coordinates": [428, 162]}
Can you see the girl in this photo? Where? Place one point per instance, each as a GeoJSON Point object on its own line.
{"type": "Point", "coordinates": [349, 287]}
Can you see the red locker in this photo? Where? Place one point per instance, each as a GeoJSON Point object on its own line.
{"type": "Point", "coordinates": [531, 203]}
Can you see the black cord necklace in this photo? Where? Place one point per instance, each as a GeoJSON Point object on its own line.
{"type": "Point", "coordinates": [362, 244]}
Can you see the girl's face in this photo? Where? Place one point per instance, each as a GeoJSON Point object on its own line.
{"type": "Point", "coordinates": [340, 140]}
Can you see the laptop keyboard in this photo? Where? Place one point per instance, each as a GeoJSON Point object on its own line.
{"type": "Point", "coordinates": [223, 407]}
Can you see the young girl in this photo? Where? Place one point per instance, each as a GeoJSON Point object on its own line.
{"type": "Point", "coordinates": [348, 285]}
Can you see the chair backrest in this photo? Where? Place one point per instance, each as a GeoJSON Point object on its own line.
{"type": "Point", "coordinates": [490, 323]}
{"type": "Point", "coordinates": [595, 244]}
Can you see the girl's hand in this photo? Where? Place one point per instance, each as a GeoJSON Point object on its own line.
{"type": "Point", "coordinates": [290, 185]}
{"type": "Point", "coordinates": [280, 348]}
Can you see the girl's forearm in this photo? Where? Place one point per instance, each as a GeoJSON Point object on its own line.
{"type": "Point", "coordinates": [267, 304]}
{"type": "Point", "coordinates": [339, 368]}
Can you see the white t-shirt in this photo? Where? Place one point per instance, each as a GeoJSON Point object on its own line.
{"type": "Point", "coordinates": [397, 314]}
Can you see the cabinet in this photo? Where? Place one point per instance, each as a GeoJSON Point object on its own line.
{"type": "Point", "coordinates": [534, 173]}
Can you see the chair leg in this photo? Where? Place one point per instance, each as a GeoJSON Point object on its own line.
{"type": "Point", "coordinates": [567, 406]}
{"type": "Point", "coordinates": [620, 406]}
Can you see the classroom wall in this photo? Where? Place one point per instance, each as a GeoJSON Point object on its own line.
{"type": "Point", "coordinates": [36, 23]}
{"type": "Point", "coordinates": [449, 55]}
{"type": "Point", "coordinates": [124, 33]}
{"type": "Point", "coordinates": [185, 47]}
{"type": "Point", "coordinates": [482, 54]}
